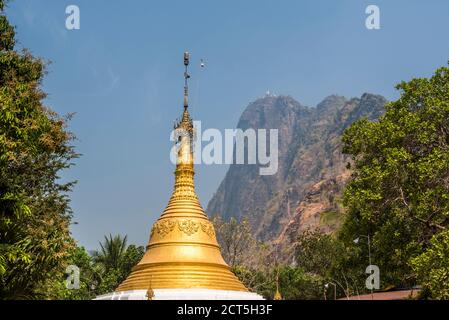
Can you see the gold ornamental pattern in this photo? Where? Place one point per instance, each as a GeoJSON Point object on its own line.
{"type": "Point", "coordinates": [187, 226]}
{"type": "Point", "coordinates": [184, 185]}
{"type": "Point", "coordinates": [208, 229]}
{"type": "Point", "coordinates": [163, 227]}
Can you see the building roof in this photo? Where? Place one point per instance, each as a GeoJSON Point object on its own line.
{"type": "Point", "coordinates": [389, 295]}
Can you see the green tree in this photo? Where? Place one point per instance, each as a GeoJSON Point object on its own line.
{"type": "Point", "coordinates": [399, 191]}
{"type": "Point", "coordinates": [112, 252]}
{"type": "Point", "coordinates": [319, 256]}
{"type": "Point", "coordinates": [89, 278]}
{"type": "Point", "coordinates": [34, 147]}
{"type": "Point", "coordinates": [101, 272]}
{"type": "Point", "coordinates": [317, 252]}
{"type": "Point", "coordinates": [132, 256]}
{"type": "Point", "coordinates": [296, 284]}
{"type": "Point", "coordinates": [432, 266]}
{"type": "Point", "coordinates": [114, 261]}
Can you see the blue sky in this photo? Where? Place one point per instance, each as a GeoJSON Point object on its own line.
{"type": "Point", "coordinates": [122, 75]}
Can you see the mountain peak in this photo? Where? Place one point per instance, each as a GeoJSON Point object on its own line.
{"type": "Point", "coordinates": [372, 98]}
{"type": "Point", "coordinates": [275, 99]}
{"type": "Point", "coordinates": [309, 153]}
{"type": "Point", "coordinates": [332, 101]}
{"type": "Point", "coordinates": [270, 112]}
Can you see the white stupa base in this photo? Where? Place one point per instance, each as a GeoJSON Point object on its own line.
{"type": "Point", "coordinates": [181, 294]}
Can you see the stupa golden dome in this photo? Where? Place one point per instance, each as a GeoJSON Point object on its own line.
{"type": "Point", "coordinates": [183, 251]}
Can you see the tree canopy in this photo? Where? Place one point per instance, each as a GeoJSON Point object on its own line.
{"type": "Point", "coordinates": [399, 191]}
{"type": "Point", "coordinates": [102, 271]}
{"type": "Point", "coordinates": [34, 147]}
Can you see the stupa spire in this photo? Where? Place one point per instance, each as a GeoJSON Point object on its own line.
{"type": "Point", "coordinates": [184, 135]}
{"type": "Point", "coordinates": [183, 252]}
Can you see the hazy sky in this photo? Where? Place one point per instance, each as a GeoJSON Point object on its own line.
{"type": "Point", "coordinates": [122, 75]}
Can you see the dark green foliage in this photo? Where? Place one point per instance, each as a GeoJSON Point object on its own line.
{"type": "Point", "coordinates": [101, 272]}
{"type": "Point", "coordinates": [296, 284]}
{"type": "Point", "coordinates": [114, 261]}
{"type": "Point", "coordinates": [319, 256]}
{"type": "Point", "coordinates": [34, 147]}
{"type": "Point", "coordinates": [111, 252]}
{"type": "Point", "coordinates": [89, 278]}
{"type": "Point", "coordinates": [432, 266]}
{"type": "Point", "coordinates": [317, 252]}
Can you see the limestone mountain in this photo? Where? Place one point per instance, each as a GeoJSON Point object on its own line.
{"type": "Point", "coordinates": [312, 169]}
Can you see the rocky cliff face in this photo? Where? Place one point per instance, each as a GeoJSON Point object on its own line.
{"type": "Point", "coordinates": [312, 170]}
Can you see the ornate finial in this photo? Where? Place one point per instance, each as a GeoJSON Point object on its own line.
{"type": "Point", "coordinates": [150, 293]}
{"type": "Point", "coordinates": [186, 77]}
{"type": "Point", "coordinates": [277, 295]}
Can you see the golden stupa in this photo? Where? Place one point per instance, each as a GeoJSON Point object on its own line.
{"type": "Point", "coordinates": [183, 252]}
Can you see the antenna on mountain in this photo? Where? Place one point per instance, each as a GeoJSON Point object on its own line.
{"type": "Point", "coordinates": [268, 93]}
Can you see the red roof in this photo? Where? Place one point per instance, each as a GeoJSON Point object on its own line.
{"type": "Point", "coordinates": [389, 295]}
